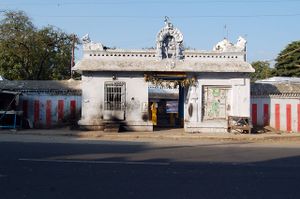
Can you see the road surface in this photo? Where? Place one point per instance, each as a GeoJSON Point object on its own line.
{"type": "Point", "coordinates": [38, 169]}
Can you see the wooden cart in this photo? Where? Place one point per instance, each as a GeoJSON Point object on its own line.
{"type": "Point", "coordinates": [239, 124]}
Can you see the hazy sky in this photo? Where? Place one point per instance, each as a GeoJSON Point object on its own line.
{"type": "Point", "coordinates": [268, 25]}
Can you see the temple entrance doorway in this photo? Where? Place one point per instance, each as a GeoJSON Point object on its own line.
{"type": "Point", "coordinates": [166, 101]}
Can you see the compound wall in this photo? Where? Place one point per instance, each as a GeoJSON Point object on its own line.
{"type": "Point", "coordinates": [279, 112]}
{"type": "Point", "coordinates": [50, 109]}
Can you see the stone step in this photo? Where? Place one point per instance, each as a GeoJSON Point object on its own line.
{"type": "Point", "coordinates": [112, 127]}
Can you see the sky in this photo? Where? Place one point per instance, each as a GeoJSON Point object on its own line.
{"type": "Point", "coordinates": [268, 25]}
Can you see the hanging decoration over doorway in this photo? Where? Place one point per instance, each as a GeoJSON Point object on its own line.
{"type": "Point", "coordinates": [171, 84]}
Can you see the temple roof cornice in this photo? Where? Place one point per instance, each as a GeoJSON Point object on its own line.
{"type": "Point", "coordinates": [147, 65]}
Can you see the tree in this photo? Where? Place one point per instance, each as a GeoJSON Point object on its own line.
{"type": "Point", "coordinates": [288, 61]}
{"type": "Point", "coordinates": [27, 52]}
{"type": "Point", "coordinates": [262, 70]}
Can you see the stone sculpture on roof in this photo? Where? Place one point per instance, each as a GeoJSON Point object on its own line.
{"type": "Point", "coordinates": [89, 45]}
{"type": "Point", "coordinates": [169, 42]}
{"type": "Point", "coordinates": [226, 46]}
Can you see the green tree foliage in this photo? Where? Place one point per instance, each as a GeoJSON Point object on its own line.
{"type": "Point", "coordinates": [27, 52]}
{"type": "Point", "coordinates": [288, 61]}
{"type": "Point", "coordinates": [262, 70]}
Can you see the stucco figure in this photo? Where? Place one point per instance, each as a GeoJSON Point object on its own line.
{"type": "Point", "coordinates": [226, 46]}
{"type": "Point", "coordinates": [89, 45]}
{"type": "Point", "coordinates": [169, 42]}
{"type": "Point", "coordinates": [86, 39]}
{"type": "Point", "coordinates": [241, 44]}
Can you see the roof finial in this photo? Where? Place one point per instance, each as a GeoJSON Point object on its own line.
{"type": "Point", "coordinates": [167, 22]}
{"type": "Point", "coordinates": [167, 19]}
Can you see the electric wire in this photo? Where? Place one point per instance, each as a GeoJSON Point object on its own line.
{"type": "Point", "coordinates": [159, 17]}
{"type": "Point", "coordinates": [61, 3]}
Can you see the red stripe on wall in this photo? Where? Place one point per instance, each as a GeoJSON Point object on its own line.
{"type": "Point", "coordinates": [73, 109]}
{"type": "Point", "coordinates": [48, 113]}
{"type": "Point", "coordinates": [254, 114]}
{"type": "Point", "coordinates": [277, 116]}
{"type": "Point", "coordinates": [25, 108]}
{"type": "Point", "coordinates": [266, 115]}
{"type": "Point", "coordinates": [298, 117]}
{"type": "Point", "coordinates": [288, 117]}
{"type": "Point", "coordinates": [36, 113]}
{"type": "Point", "coordinates": [60, 110]}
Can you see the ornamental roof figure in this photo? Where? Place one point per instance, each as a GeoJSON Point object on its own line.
{"type": "Point", "coordinates": [88, 44]}
{"type": "Point", "coordinates": [226, 46]}
{"type": "Point", "coordinates": [168, 23]}
{"type": "Point", "coordinates": [169, 42]}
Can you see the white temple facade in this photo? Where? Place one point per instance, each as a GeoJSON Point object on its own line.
{"type": "Point", "coordinates": [212, 85]}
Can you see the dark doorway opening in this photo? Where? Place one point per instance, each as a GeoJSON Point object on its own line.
{"type": "Point", "coordinates": [166, 102]}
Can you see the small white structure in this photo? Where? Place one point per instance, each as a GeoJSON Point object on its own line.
{"type": "Point", "coordinates": [212, 84]}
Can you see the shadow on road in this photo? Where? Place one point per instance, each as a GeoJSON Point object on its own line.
{"type": "Point", "coordinates": [124, 170]}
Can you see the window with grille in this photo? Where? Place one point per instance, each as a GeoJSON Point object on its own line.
{"type": "Point", "coordinates": [114, 95]}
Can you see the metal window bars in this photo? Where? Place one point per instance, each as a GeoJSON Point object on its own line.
{"type": "Point", "coordinates": [114, 95]}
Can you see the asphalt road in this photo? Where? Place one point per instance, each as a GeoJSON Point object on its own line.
{"type": "Point", "coordinates": [148, 170]}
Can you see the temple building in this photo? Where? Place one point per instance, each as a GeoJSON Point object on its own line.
{"type": "Point", "coordinates": [118, 84]}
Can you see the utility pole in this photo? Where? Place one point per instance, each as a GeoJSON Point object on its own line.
{"type": "Point", "coordinates": [73, 55]}
{"type": "Point", "coordinates": [225, 31]}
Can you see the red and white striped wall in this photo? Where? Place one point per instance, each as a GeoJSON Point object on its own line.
{"type": "Point", "coordinates": [279, 113]}
{"type": "Point", "coordinates": [46, 111]}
